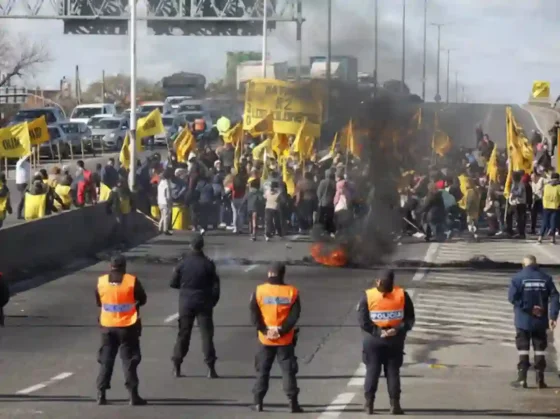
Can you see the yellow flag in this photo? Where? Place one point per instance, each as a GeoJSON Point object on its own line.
{"type": "Point", "coordinates": [258, 151]}
{"type": "Point", "coordinates": [184, 144]}
{"type": "Point", "coordinates": [150, 125]}
{"type": "Point", "coordinates": [264, 126]}
{"type": "Point", "coordinates": [492, 168]}
{"type": "Point", "coordinates": [509, 180]}
{"type": "Point", "coordinates": [15, 141]}
{"type": "Point", "coordinates": [288, 178]}
{"type": "Point", "coordinates": [280, 144]}
{"type": "Point", "coordinates": [333, 145]}
{"type": "Point", "coordinates": [124, 157]}
{"type": "Point", "coordinates": [463, 185]}
{"type": "Point", "coordinates": [237, 153]}
{"type": "Point", "coordinates": [38, 131]}
{"type": "Point", "coordinates": [441, 143]}
{"type": "Point", "coordinates": [234, 134]}
{"type": "Point", "coordinates": [350, 140]}
{"type": "Point", "coordinates": [541, 89]}
{"type": "Point", "coordinates": [104, 192]}
{"type": "Point", "coordinates": [303, 143]}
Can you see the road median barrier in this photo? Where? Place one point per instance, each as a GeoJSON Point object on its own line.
{"type": "Point", "coordinates": [56, 241]}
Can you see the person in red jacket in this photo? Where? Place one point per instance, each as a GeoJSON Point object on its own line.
{"type": "Point", "coordinates": [85, 191]}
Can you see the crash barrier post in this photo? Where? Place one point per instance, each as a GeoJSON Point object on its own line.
{"type": "Point", "coordinates": [180, 217]}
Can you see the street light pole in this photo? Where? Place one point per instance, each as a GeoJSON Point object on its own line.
{"type": "Point", "coordinates": [439, 25]}
{"type": "Point", "coordinates": [456, 87]}
{"type": "Point", "coordinates": [448, 67]}
{"type": "Point", "coordinates": [375, 69]}
{"type": "Point", "coordinates": [425, 41]}
{"type": "Point", "coordinates": [132, 137]}
{"type": "Point", "coordinates": [403, 68]}
{"type": "Point", "coordinates": [329, 58]}
{"type": "Point", "coordinates": [265, 37]}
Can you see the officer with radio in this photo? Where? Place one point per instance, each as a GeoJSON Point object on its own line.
{"type": "Point", "coordinates": [385, 315]}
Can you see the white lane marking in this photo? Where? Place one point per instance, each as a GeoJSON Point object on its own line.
{"type": "Point", "coordinates": [44, 384]}
{"type": "Point", "coordinates": [421, 273]}
{"type": "Point", "coordinates": [555, 333]}
{"type": "Point", "coordinates": [171, 318]}
{"type": "Point", "coordinates": [337, 406]}
{"type": "Point", "coordinates": [251, 267]}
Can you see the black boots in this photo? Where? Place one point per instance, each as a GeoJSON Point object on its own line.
{"type": "Point", "coordinates": [294, 405]}
{"type": "Point", "coordinates": [101, 398]}
{"type": "Point", "coordinates": [212, 372]}
{"type": "Point", "coordinates": [396, 407]}
{"type": "Point", "coordinates": [368, 406]}
{"type": "Point", "coordinates": [257, 406]}
{"type": "Point", "coordinates": [521, 379]}
{"type": "Point", "coordinates": [135, 399]}
{"type": "Point", "coordinates": [540, 380]}
{"type": "Point", "coordinates": [176, 370]}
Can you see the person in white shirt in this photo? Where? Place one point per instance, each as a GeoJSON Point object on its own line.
{"type": "Point", "coordinates": [537, 185]}
{"type": "Point", "coordinates": [165, 203]}
{"type": "Point", "coordinates": [23, 174]}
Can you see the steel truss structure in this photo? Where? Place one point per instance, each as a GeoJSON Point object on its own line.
{"type": "Point", "coordinates": [164, 17]}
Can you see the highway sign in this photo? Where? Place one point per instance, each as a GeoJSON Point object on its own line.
{"type": "Point", "coordinates": [13, 95]}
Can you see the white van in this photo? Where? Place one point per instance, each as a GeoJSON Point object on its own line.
{"type": "Point", "coordinates": [83, 113]}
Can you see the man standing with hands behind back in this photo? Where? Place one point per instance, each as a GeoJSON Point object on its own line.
{"type": "Point", "coordinates": [385, 315]}
{"type": "Point", "coordinates": [530, 292]}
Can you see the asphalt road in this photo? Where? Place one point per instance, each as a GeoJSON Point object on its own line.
{"type": "Point", "coordinates": [461, 119]}
{"type": "Point", "coordinates": [90, 163]}
{"type": "Point", "coordinates": [50, 342]}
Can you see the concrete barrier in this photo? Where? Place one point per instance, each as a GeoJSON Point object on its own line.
{"type": "Point", "coordinates": [55, 241]}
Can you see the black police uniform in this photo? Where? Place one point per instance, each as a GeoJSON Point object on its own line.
{"type": "Point", "coordinates": [199, 284]}
{"type": "Point", "coordinates": [530, 288]}
{"type": "Point", "coordinates": [386, 353]}
{"type": "Point", "coordinates": [284, 354]}
{"type": "Point", "coordinates": [127, 339]}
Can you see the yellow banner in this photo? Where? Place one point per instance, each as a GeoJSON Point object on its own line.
{"type": "Point", "coordinates": [288, 103]}
{"type": "Point", "coordinates": [148, 126]}
{"type": "Point", "coordinates": [14, 141]}
{"type": "Point", "coordinates": [38, 131]}
{"type": "Point", "coordinates": [541, 89]}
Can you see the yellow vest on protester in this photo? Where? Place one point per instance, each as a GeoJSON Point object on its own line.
{"type": "Point", "coordinates": [551, 197]}
{"type": "Point", "coordinates": [65, 194]}
{"type": "Point", "coordinates": [35, 206]}
{"type": "Point", "coordinates": [3, 206]}
{"type": "Point", "coordinates": [124, 204]}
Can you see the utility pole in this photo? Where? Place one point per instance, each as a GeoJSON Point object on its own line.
{"type": "Point", "coordinates": [403, 68]}
{"type": "Point", "coordinates": [425, 42]}
{"type": "Point", "coordinates": [463, 90]}
{"type": "Point", "coordinates": [103, 86]}
{"type": "Point", "coordinates": [265, 37]}
{"type": "Point", "coordinates": [375, 62]}
{"type": "Point", "coordinates": [298, 40]}
{"type": "Point", "coordinates": [132, 137]}
{"type": "Point", "coordinates": [448, 67]}
{"type": "Point", "coordinates": [437, 98]}
{"type": "Point", "coordinates": [329, 59]}
{"type": "Point", "coordinates": [456, 87]}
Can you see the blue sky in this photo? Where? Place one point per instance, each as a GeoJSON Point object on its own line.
{"type": "Point", "coordinates": [499, 46]}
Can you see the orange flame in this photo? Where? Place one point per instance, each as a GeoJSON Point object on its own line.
{"type": "Point", "coordinates": [330, 257]}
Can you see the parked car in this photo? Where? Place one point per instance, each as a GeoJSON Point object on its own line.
{"type": "Point", "coordinates": [76, 134]}
{"type": "Point", "coordinates": [52, 115]}
{"type": "Point", "coordinates": [82, 113]}
{"type": "Point", "coordinates": [111, 131]}
{"type": "Point", "coordinates": [96, 118]}
{"type": "Point", "coordinates": [161, 139]}
{"type": "Point", "coordinates": [58, 139]}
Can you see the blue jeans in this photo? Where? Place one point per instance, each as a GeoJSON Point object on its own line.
{"type": "Point", "coordinates": [549, 222]}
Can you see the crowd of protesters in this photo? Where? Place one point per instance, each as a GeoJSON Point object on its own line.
{"type": "Point", "coordinates": [456, 197]}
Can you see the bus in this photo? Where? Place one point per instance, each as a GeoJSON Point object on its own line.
{"type": "Point", "coordinates": [183, 84]}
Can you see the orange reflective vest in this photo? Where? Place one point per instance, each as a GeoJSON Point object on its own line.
{"type": "Point", "coordinates": [275, 303]}
{"type": "Point", "coordinates": [386, 310]}
{"type": "Point", "coordinates": [118, 305]}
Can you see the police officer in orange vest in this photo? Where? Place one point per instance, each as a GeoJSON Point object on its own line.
{"type": "Point", "coordinates": [275, 309]}
{"type": "Point", "coordinates": [385, 314]}
{"type": "Point", "coordinates": [119, 295]}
